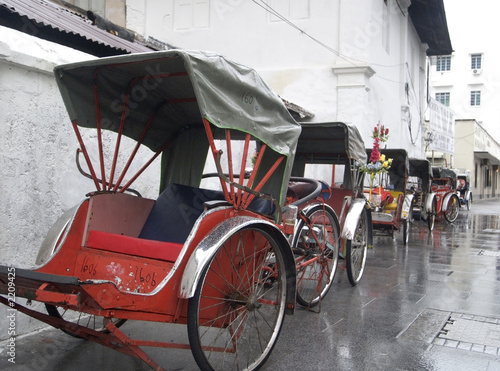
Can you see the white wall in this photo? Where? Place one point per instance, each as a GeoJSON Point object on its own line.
{"type": "Point", "coordinates": [370, 69]}
{"type": "Point", "coordinates": [37, 146]}
{"type": "Point", "coordinates": [39, 179]}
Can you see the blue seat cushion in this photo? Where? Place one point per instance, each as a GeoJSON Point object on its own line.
{"type": "Point", "coordinates": [177, 208]}
{"type": "Point", "coordinates": [175, 212]}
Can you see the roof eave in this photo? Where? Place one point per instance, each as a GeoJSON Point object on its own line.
{"type": "Point", "coordinates": [429, 19]}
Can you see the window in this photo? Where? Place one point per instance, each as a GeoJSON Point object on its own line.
{"type": "Point", "coordinates": [97, 7]}
{"type": "Point", "coordinates": [475, 98]}
{"type": "Point", "coordinates": [289, 9]}
{"type": "Point", "coordinates": [476, 61]}
{"type": "Point", "coordinates": [443, 63]}
{"type": "Point", "coordinates": [443, 98]}
{"type": "Point", "coordinates": [191, 14]}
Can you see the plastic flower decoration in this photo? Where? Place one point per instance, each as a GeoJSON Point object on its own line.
{"type": "Point", "coordinates": [378, 163]}
{"type": "Point", "coordinates": [380, 134]}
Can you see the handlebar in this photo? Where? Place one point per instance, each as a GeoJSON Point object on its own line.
{"type": "Point", "coordinates": [310, 196]}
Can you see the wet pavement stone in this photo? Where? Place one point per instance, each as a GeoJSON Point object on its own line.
{"type": "Point", "coordinates": [415, 308]}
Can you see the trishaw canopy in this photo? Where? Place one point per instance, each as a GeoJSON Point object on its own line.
{"type": "Point", "coordinates": [171, 93]}
{"type": "Point", "coordinates": [325, 141]}
{"type": "Point", "coordinates": [398, 172]}
{"type": "Point", "coordinates": [422, 169]}
{"type": "Point", "coordinates": [441, 173]}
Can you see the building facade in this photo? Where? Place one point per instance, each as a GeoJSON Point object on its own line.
{"type": "Point", "coordinates": [356, 61]}
{"type": "Point", "coordinates": [465, 82]}
{"type": "Point", "coordinates": [478, 152]}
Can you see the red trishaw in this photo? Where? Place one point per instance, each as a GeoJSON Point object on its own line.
{"type": "Point", "coordinates": [332, 208]}
{"type": "Point", "coordinates": [393, 209]}
{"type": "Point", "coordinates": [424, 203]}
{"type": "Point", "coordinates": [444, 184]}
{"type": "Point", "coordinates": [193, 256]}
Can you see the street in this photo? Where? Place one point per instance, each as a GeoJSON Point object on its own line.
{"type": "Point", "coordinates": [433, 305]}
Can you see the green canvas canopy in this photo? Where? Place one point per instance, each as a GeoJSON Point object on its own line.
{"type": "Point", "coordinates": [325, 141]}
{"type": "Point", "coordinates": [171, 93]}
{"type": "Point", "coordinates": [182, 87]}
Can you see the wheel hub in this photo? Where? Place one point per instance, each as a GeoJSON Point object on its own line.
{"type": "Point", "coordinates": [251, 302]}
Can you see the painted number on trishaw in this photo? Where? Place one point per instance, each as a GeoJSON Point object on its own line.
{"type": "Point", "coordinates": [89, 268]}
{"type": "Point", "coordinates": [142, 275]}
{"type": "Point", "coordinates": [250, 99]}
{"type": "Point", "coordinates": [127, 273]}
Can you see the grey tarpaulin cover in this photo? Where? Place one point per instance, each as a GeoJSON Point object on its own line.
{"type": "Point", "coordinates": [176, 89]}
{"type": "Point", "coordinates": [421, 168]}
{"type": "Point", "coordinates": [332, 138]}
{"type": "Point", "coordinates": [398, 172]}
{"type": "Point", "coordinates": [441, 172]}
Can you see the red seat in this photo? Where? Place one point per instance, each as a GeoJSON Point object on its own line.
{"type": "Point", "coordinates": [385, 196]}
{"type": "Point", "coordinates": [168, 251]}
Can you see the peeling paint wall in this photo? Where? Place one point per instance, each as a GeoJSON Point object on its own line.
{"type": "Point", "coordinates": [38, 176]}
{"type": "Point", "coordinates": [38, 179]}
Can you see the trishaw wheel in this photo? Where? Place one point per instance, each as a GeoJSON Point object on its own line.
{"type": "Point", "coordinates": [407, 227]}
{"type": "Point", "coordinates": [451, 212]}
{"type": "Point", "coordinates": [316, 257]}
{"type": "Point", "coordinates": [406, 231]}
{"type": "Point", "coordinates": [356, 249]}
{"type": "Point", "coordinates": [90, 321]}
{"type": "Point", "coordinates": [431, 216]}
{"type": "Point", "coordinates": [469, 202]}
{"type": "Point", "coordinates": [236, 313]}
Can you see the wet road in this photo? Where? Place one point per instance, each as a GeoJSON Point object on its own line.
{"type": "Point", "coordinates": [433, 305]}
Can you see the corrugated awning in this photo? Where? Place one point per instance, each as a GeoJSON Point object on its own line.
{"type": "Point", "coordinates": [51, 22]}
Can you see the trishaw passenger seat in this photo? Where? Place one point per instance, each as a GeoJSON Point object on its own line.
{"type": "Point", "coordinates": [299, 190]}
{"type": "Point", "coordinates": [175, 212]}
{"type": "Point", "coordinates": [393, 205]}
{"type": "Point", "coordinates": [177, 208]}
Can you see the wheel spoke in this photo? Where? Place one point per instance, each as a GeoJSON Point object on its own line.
{"type": "Point", "coordinates": [81, 319]}
{"type": "Point", "coordinates": [316, 244]}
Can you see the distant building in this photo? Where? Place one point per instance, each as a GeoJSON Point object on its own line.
{"type": "Point", "coordinates": [477, 151]}
{"type": "Point", "coordinates": [465, 81]}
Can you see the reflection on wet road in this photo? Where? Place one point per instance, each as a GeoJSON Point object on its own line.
{"type": "Point", "coordinates": [434, 305]}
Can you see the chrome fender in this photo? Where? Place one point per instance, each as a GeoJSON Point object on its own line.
{"type": "Point", "coordinates": [352, 218]}
{"type": "Point", "coordinates": [58, 232]}
{"type": "Point", "coordinates": [429, 199]}
{"type": "Point", "coordinates": [407, 205]}
{"type": "Point", "coordinates": [207, 248]}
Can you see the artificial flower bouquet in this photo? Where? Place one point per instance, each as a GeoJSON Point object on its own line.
{"type": "Point", "coordinates": [378, 163]}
